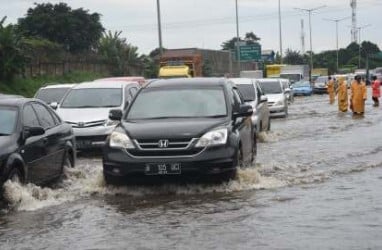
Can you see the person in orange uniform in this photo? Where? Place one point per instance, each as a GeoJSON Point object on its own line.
{"type": "Point", "coordinates": [330, 88]}
{"type": "Point", "coordinates": [342, 92]}
{"type": "Point", "coordinates": [358, 96]}
{"type": "Point", "coordinates": [376, 90]}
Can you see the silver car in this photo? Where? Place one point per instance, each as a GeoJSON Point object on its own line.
{"type": "Point", "coordinates": [277, 99]}
{"type": "Point", "coordinates": [253, 94]}
{"type": "Point", "coordinates": [52, 93]}
{"type": "Point", "coordinates": [86, 107]}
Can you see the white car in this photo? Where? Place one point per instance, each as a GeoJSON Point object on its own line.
{"type": "Point", "coordinates": [53, 93]}
{"type": "Point", "coordinates": [288, 89]}
{"type": "Point", "coordinates": [253, 95]}
{"type": "Point", "coordinates": [277, 99]}
{"type": "Point", "coordinates": [87, 105]}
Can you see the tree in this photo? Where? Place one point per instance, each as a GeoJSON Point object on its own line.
{"type": "Point", "coordinates": [293, 57]}
{"type": "Point", "coordinates": [250, 38]}
{"type": "Point", "coordinates": [12, 60]}
{"type": "Point", "coordinates": [76, 30]}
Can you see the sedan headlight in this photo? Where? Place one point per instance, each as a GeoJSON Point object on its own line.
{"type": "Point", "coordinates": [120, 140]}
{"type": "Point", "coordinates": [213, 138]}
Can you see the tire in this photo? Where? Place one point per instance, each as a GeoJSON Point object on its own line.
{"type": "Point", "coordinates": [67, 163]}
{"type": "Point", "coordinates": [286, 112]}
{"type": "Point", "coordinates": [15, 175]}
{"type": "Point", "coordinates": [112, 180]}
{"type": "Point", "coordinates": [269, 124]}
{"type": "Point", "coordinates": [254, 150]}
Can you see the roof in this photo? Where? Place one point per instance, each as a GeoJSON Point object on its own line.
{"type": "Point", "coordinates": [139, 79]}
{"type": "Point", "coordinates": [269, 79]}
{"type": "Point", "coordinates": [13, 100]}
{"type": "Point", "coordinates": [103, 84]}
{"type": "Point", "coordinates": [180, 52]}
{"type": "Point", "coordinates": [201, 81]}
{"type": "Point", "coordinates": [239, 81]}
{"type": "Point", "coordinates": [59, 85]}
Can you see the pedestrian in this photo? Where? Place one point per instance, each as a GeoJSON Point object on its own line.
{"type": "Point", "coordinates": [358, 96]}
{"type": "Point", "coordinates": [376, 90]}
{"type": "Point", "coordinates": [330, 88]}
{"type": "Point", "coordinates": [342, 92]}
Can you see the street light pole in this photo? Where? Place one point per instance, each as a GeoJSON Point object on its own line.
{"type": "Point", "coordinates": [337, 21]}
{"type": "Point", "coordinates": [159, 29]}
{"type": "Point", "coordinates": [280, 35]}
{"type": "Point", "coordinates": [359, 43]}
{"type": "Point", "coordinates": [237, 38]}
{"type": "Point", "coordinates": [310, 35]}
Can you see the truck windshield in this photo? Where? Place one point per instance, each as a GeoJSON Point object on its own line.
{"type": "Point", "coordinates": [271, 87]}
{"type": "Point", "coordinates": [158, 103]}
{"type": "Point", "coordinates": [8, 118]}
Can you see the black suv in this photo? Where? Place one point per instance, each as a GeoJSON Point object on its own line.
{"type": "Point", "coordinates": [35, 144]}
{"type": "Point", "coordinates": [181, 127]}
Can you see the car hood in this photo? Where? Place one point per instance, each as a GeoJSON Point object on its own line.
{"type": "Point", "coordinates": [84, 114]}
{"type": "Point", "coordinates": [302, 88]}
{"type": "Point", "coordinates": [275, 97]}
{"type": "Point", "coordinates": [171, 128]}
{"type": "Point", "coordinates": [320, 85]}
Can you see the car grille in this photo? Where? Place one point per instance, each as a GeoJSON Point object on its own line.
{"type": "Point", "coordinates": [165, 153]}
{"type": "Point", "coordinates": [271, 103]}
{"type": "Point", "coordinates": [86, 124]}
{"type": "Point", "coordinates": [171, 144]}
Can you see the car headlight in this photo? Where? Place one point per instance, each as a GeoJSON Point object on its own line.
{"type": "Point", "coordinates": [213, 138]}
{"type": "Point", "coordinates": [120, 140]}
{"type": "Point", "coordinates": [109, 123]}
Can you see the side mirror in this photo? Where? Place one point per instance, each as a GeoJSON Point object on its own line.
{"type": "Point", "coordinates": [33, 131]}
{"type": "Point", "coordinates": [244, 111]}
{"type": "Point", "coordinates": [54, 105]}
{"type": "Point", "coordinates": [263, 98]}
{"type": "Point", "coordinates": [115, 114]}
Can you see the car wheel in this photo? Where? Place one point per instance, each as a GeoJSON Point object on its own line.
{"type": "Point", "coordinates": [254, 150]}
{"type": "Point", "coordinates": [112, 180]}
{"type": "Point", "coordinates": [67, 163]}
{"type": "Point", "coordinates": [286, 111]}
{"type": "Point", "coordinates": [15, 175]}
{"type": "Point", "coordinates": [269, 124]}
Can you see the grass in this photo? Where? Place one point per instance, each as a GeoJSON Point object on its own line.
{"type": "Point", "coordinates": [27, 87]}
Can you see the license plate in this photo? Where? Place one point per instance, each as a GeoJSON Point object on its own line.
{"type": "Point", "coordinates": [83, 143]}
{"type": "Point", "coordinates": [162, 168]}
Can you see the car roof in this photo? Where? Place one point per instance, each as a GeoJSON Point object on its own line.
{"type": "Point", "coordinates": [241, 81]}
{"type": "Point", "coordinates": [197, 81]}
{"type": "Point", "coordinates": [269, 79]}
{"type": "Point", "coordinates": [15, 101]}
{"type": "Point", "coordinates": [58, 85]}
{"type": "Point", "coordinates": [104, 84]}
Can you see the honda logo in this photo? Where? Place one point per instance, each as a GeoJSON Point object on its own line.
{"type": "Point", "coordinates": [163, 143]}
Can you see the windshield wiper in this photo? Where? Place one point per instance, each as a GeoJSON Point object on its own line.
{"type": "Point", "coordinates": [2, 134]}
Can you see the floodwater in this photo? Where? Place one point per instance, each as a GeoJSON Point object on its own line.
{"type": "Point", "coordinates": [316, 185]}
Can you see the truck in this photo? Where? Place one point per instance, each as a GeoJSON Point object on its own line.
{"type": "Point", "coordinates": [273, 70]}
{"type": "Point", "coordinates": [194, 62]}
{"type": "Point", "coordinates": [295, 73]}
{"type": "Point", "coordinates": [256, 74]}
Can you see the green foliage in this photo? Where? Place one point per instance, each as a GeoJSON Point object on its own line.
{"type": "Point", "coordinates": [76, 30]}
{"type": "Point", "coordinates": [118, 53]}
{"type": "Point", "coordinates": [293, 57]}
{"type": "Point", "coordinates": [12, 61]}
{"type": "Point", "coordinates": [250, 38]}
{"type": "Point", "coordinates": [28, 87]}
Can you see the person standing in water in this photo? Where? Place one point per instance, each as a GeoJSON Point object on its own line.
{"type": "Point", "coordinates": [376, 90]}
{"type": "Point", "coordinates": [330, 88]}
{"type": "Point", "coordinates": [342, 92]}
{"type": "Point", "coordinates": [358, 96]}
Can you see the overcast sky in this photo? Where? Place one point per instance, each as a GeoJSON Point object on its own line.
{"type": "Point", "coordinates": [207, 23]}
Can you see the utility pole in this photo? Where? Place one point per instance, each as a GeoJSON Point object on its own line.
{"type": "Point", "coordinates": [302, 37]}
{"type": "Point", "coordinates": [237, 38]}
{"type": "Point", "coordinates": [359, 43]}
{"type": "Point", "coordinates": [337, 21]}
{"type": "Point", "coordinates": [280, 36]}
{"type": "Point", "coordinates": [353, 5]}
{"type": "Point", "coordinates": [310, 35]}
{"type": "Point", "coordinates": [159, 29]}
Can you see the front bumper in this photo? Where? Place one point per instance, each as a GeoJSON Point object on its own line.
{"type": "Point", "coordinates": [214, 160]}
{"type": "Point", "coordinates": [320, 91]}
{"type": "Point", "coordinates": [92, 137]}
{"type": "Point", "coordinates": [276, 110]}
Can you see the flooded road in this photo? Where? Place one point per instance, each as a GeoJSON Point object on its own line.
{"type": "Point", "coordinates": [316, 185]}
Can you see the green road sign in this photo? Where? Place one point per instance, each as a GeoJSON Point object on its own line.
{"type": "Point", "coordinates": [250, 52]}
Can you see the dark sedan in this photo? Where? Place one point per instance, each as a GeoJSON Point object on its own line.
{"type": "Point", "coordinates": [35, 145]}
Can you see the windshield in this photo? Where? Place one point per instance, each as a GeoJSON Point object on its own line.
{"type": "Point", "coordinates": [155, 103]}
{"type": "Point", "coordinates": [8, 118]}
{"type": "Point", "coordinates": [51, 95]}
{"type": "Point", "coordinates": [301, 84]}
{"type": "Point", "coordinates": [321, 79]}
{"type": "Point", "coordinates": [291, 77]}
{"type": "Point", "coordinates": [271, 87]}
{"type": "Point", "coordinates": [247, 91]}
{"type": "Point", "coordinates": [93, 98]}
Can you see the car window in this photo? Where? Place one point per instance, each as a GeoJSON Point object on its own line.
{"type": "Point", "coordinates": [93, 98]}
{"type": "Point", "coordinates": [259, 92]}
{"type": "Point", "coordinates": [50, 95]}
{"type": "Point", "coordinates": [247, 91]}
{"type": "Point", "coordinates": [30, 117]}
{"type": "Point", "coordinates": [237, 100]}
{"type": "Point", "coordinates": [8, 120]}
{"type": "Point", "coordinates": [44, 115]}
{"type": "Point", "coordinates": [271, 87]}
